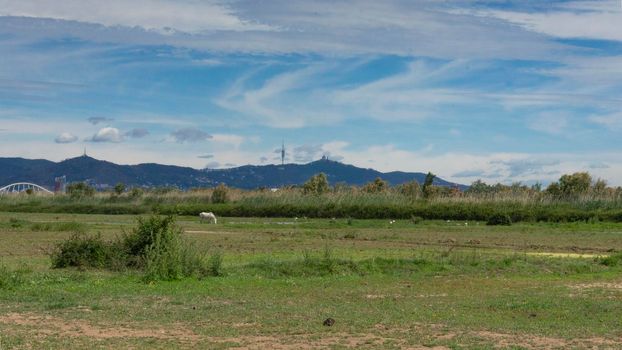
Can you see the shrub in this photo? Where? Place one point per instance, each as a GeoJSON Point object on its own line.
{"type": "Point", "coordinates": [215, 264]}
{"type": "Point", "coordinates": [119, 188]}
{"type": "Point", "coordinates": [611, 260]}
{"type": "Point", "coordinates": [146, 232]}
{"type": "Point", "coordinates": [220, 194]}
{"type": "Point", "coordinates": [16, 223]}
{"type": "Point", "coordinates": [316, 185]}
{"type": "Point", "coordinates": [82, 251]}
{"type": "Point", "coordinates": [155, 245]}
{"type": "Point", "coordinates": [410, 189]}
{"type": "Point", "coordinates": [80, 190]}
{"type": "Point", "coordinates": [164, 257]}
{"type": "Point", "coordinates": [165, 254]}
{"type": "Point", "coordinates": [10, 279]}
{"type": "Point", "coordinates": [136, 193]}
{"type": "Point", "coordinates": [499, 219]}
{"type": "Point", "coordinates": [376, 186]}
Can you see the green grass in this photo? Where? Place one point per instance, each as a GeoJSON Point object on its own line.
{"type": "Point", "coordinates": [433, 283]}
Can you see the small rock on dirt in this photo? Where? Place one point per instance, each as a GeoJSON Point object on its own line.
{"type": "Point", "coordinates": [329, 322]}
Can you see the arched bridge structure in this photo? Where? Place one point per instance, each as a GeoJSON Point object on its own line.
{"type": "Point", "coordinates": [23, 187]}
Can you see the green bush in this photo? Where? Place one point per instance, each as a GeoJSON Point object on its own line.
{"type": "Point", "coordinates": [316, 185]}
{"type": "Point", "coordinates": [16, 223]}
{"type": "Point", "coordinates": [82, 251]}
{"type": "Point", "coordinates": [145, 233]}
{"type": "Point", "coordinates": [220, 194]}
{"type": "Point", "coordinates": [80, 190]}
{"type": "Point", "coordinates": [611, 260]}
{"type": "Point", "coordinates": [499, 219]}
{"type": "Point", "coordinates": [136, 193]}
{"type": "Point", "coordinates": [376, 186]}
{"type": "Point", "coordinates": [119, 188]}
{"type": "Point", "coordinates": [10, 279]}
{"type": "Point", "coordinates": [155, 245]}
{"type": "Point", "coordinates": [215, 264]}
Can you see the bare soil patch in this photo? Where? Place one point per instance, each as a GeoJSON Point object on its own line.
{"type": "Point", "coordinates": [48, 325]}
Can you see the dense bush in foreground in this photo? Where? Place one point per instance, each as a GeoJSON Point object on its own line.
{"type": "Point", "coordinates": [155, 246]}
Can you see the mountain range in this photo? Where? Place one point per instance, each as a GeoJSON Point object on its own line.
{"type": "Point", "coordinates": [104, 174]}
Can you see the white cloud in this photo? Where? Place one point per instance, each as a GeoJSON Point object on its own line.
{"type": "Point", "coordinates": [299, 98]}
{"type": "Point", "coordinates": [107, 134]}
{"type": "Point", "coordinates": [270, 105]}
{"type": "Point", "coordinates": [164, 16]}
{"type": "Point", "coordinates": [554, 123]}
{"type": "Point", "coordinates": [580, 19]}
{"type": "Point", "coordinates": [395, 27]}
{"type": "Point", "coordinates": [66, 138]}
{"type": "Point", "coordinates": [610, 121]}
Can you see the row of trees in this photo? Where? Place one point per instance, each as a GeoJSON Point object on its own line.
{"type": "Point", "coordinates": [568, 186]}
{"type": "Point", "coordinates": [318, 185]}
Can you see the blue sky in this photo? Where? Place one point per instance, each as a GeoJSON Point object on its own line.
{"type": "Point", "coordinates": [504, 91]}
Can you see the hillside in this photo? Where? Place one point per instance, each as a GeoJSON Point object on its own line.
{"type": "Point", "coordinates": [104, 173]}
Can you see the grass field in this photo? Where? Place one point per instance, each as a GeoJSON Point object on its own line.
{"type": "Point", "coordinates": [434, 284]}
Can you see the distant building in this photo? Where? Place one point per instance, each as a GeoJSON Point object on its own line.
{"type": "Point", "coordinates": [60, 184]}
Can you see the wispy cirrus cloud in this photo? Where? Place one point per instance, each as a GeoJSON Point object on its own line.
{"type": "Point", "coordinates": [281, 26]}
{"type": "Point", "coordinates": [190, 16]}
{"type": "Point", "coordinates": [611, 121]}
{"type": "Point", "coordinates": [283, 101]}
{"type": "Point", "coordinates": [573, 19]}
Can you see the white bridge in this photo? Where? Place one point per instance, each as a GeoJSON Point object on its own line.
{"type": "Point", "coordinates": [23, 187]}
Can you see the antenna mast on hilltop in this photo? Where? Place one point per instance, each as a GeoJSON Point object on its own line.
{"type": "Point", "coordinates": [283, 153]}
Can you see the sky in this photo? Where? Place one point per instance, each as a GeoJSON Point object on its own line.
{"type": "Point", "coordinates": [502, 91]}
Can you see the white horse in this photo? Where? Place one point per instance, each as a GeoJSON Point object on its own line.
{"type": "Point", "coordinates": [210, 217]}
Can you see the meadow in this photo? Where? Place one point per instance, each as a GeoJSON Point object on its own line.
{"type": "Point", "coordinates": [419, 284]}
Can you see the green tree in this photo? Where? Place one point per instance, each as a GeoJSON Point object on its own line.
{"type": "Point", "coordinates": [376, 186]}
{"type": "Point", "coordinates": [553, 189]}
{"type": "Point", "coordinates": [411, 189]}
{"type": "Point", "coordinates": [479, 187]}
{"type": "Point", "coordinates": [119, 188]}
{"type": "Point", "coordinates": [600, 187]}
{"type": "Point", "coordinates": [220, 194]}
{"type": "Point", "coordinates": [427, 184]}
{"type": "Point", "coordinates": [136, 192]}
{"type": "Point", "coordinates": [316, 185]}
{"type": "Point", "coordinates": [575, 184]}
{"type": "Point", "coordinates": [79, 190]}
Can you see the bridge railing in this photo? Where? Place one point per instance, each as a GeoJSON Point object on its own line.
{"type": "Point", "coordinates": [23, 187]}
